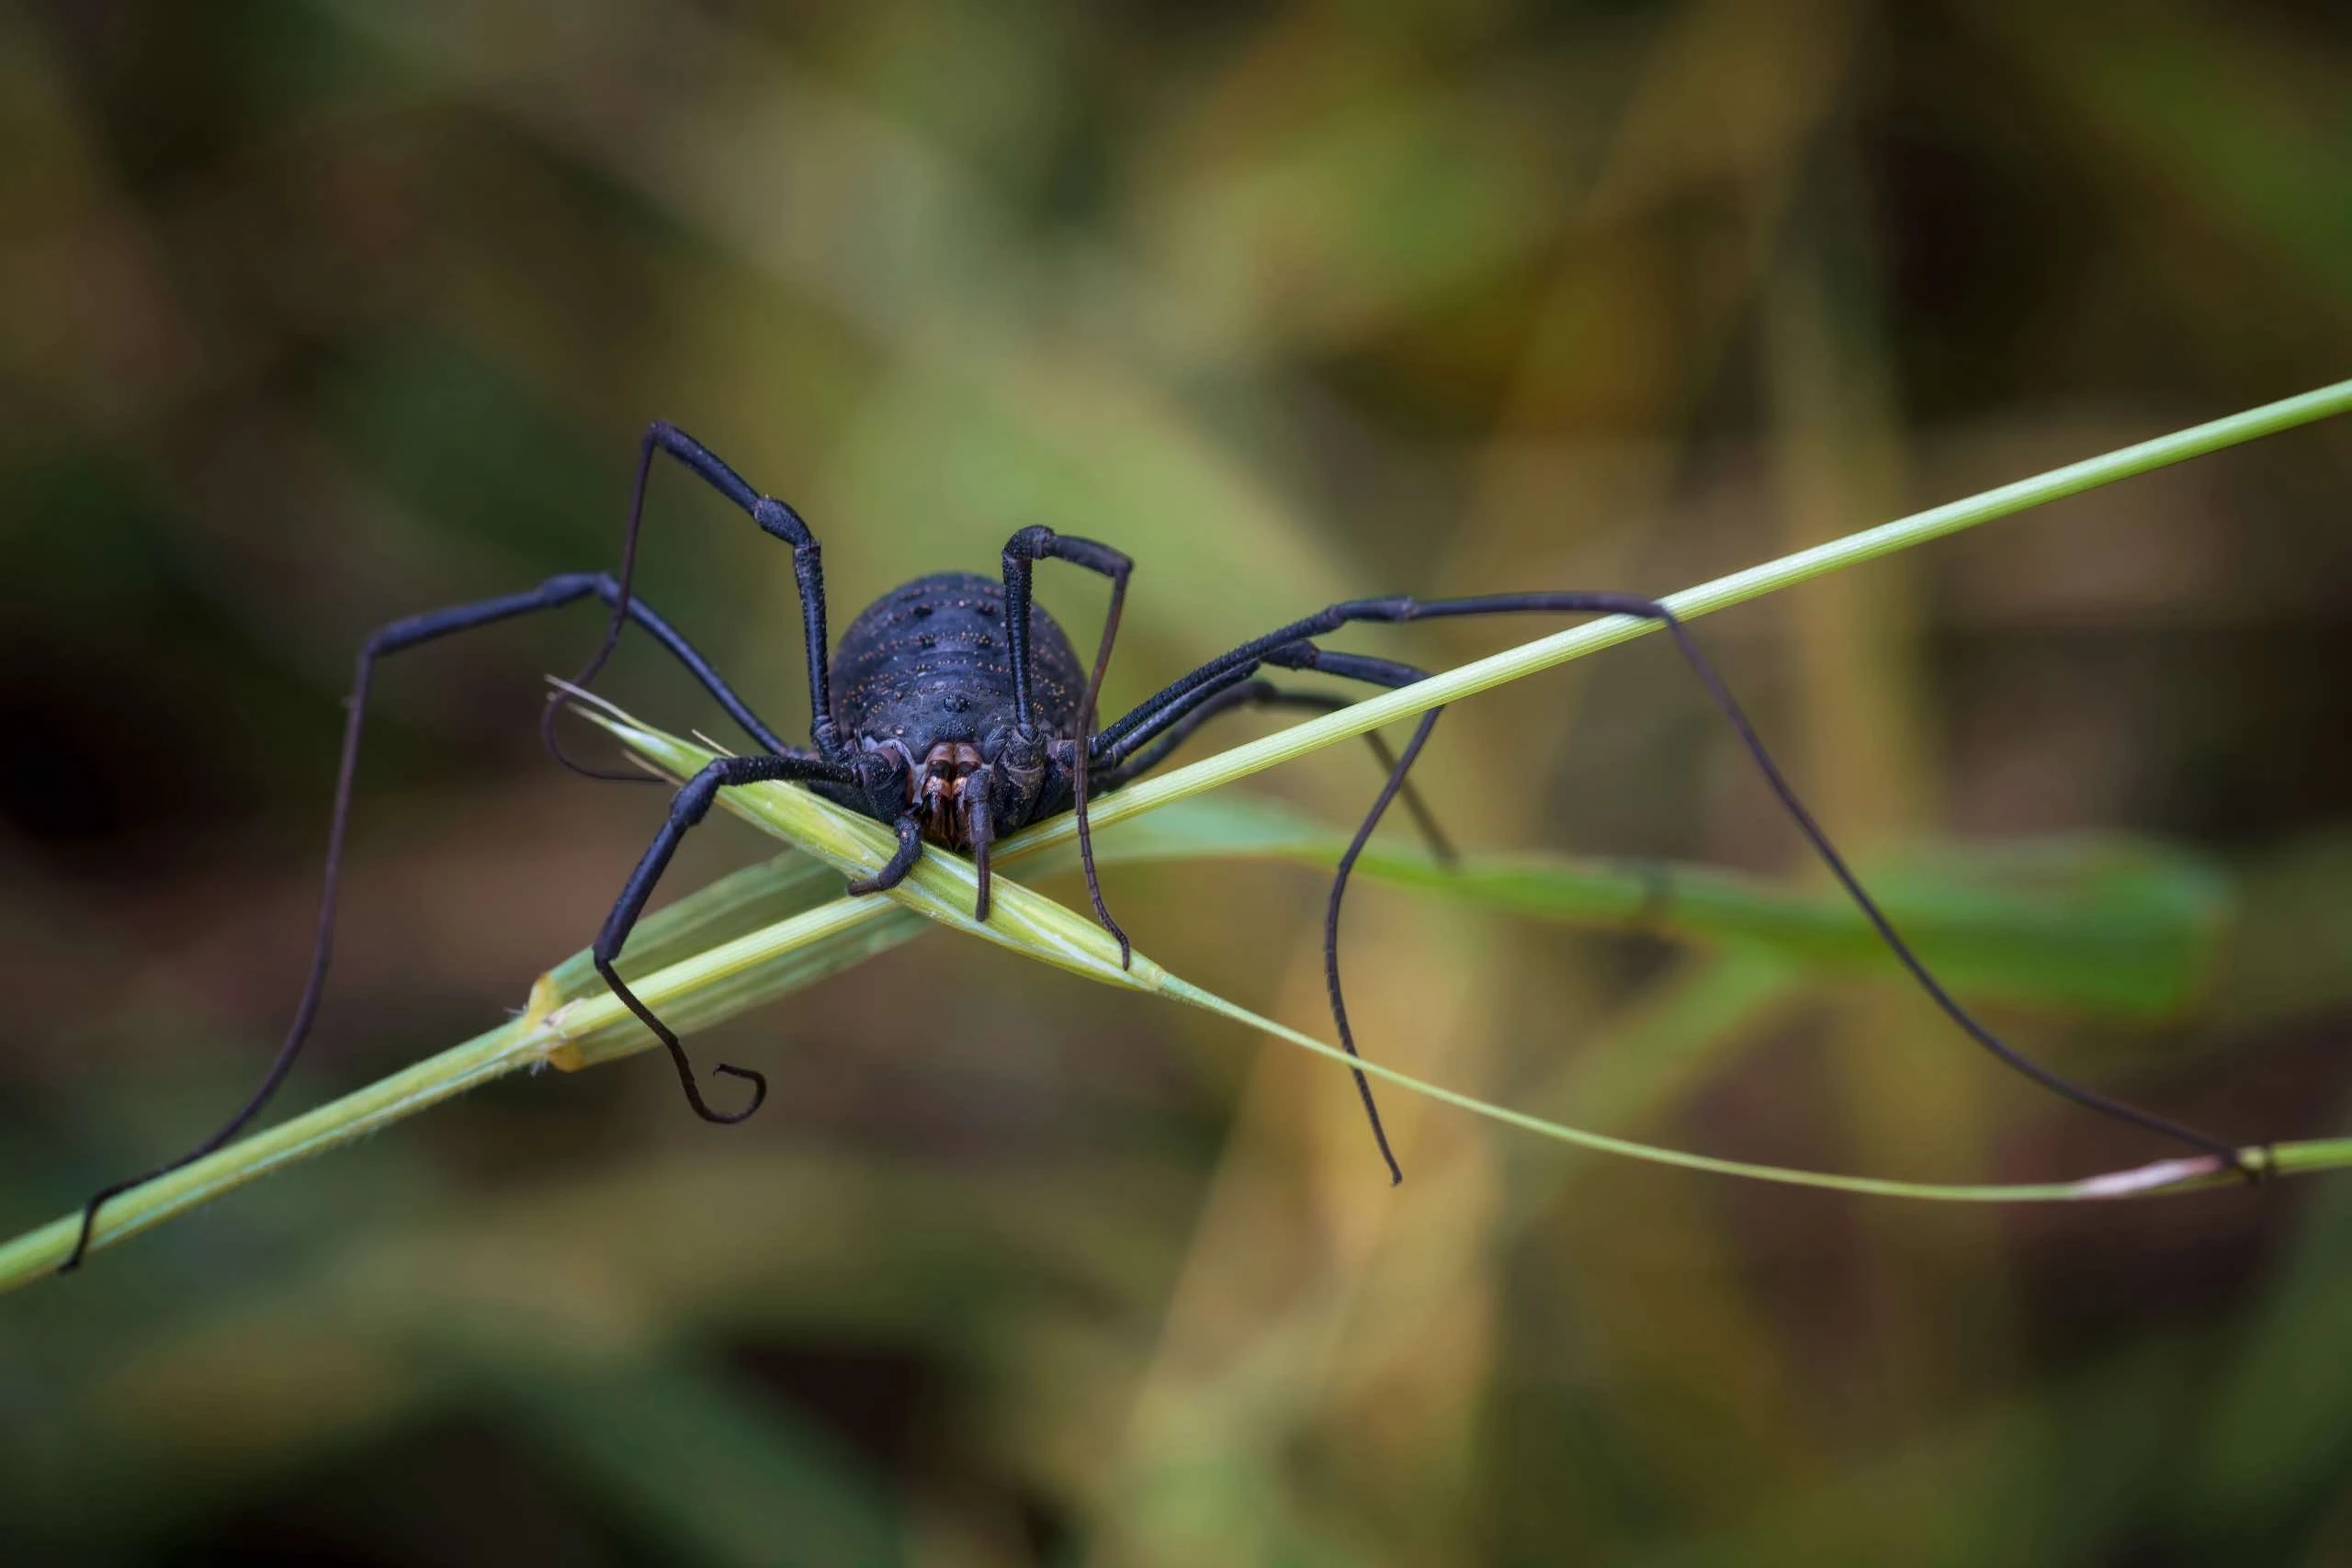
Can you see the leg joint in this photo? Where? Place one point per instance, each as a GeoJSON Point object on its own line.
{"type": "Point", "coordinates": [776, 517]}
{"type": "Point", "coordinates": [1401, 608]}
{"type": "Point", "coordinates": [1033, 543]}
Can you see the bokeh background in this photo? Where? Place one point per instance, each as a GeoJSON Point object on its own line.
{"type": "Point", "coordinates": [316, 314]}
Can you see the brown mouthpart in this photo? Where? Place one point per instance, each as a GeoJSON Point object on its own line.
{"type": "Point", "coordinates": [935, 792]}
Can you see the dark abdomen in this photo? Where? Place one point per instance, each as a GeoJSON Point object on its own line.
{"type": "Point", "coordinates": [930, 662]}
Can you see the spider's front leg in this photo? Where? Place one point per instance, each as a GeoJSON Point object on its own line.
{"type": "Point", "coordinates": [399, 636]}
{"type": "Point", "coordinates": [1021, 552]}
{"type": "Point", "coordinates": [687, 807]}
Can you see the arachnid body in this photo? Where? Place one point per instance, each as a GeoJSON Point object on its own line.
{"type": "Point", "coordinates": [956, 711]}
{"type": "Point", "coordinates": [925, 675]}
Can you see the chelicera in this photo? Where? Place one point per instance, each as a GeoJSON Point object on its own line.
{"type": "Point", "coordinates": [954, 710]}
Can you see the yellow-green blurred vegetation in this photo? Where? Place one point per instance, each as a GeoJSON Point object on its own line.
{"type": "Point", "coordinates": [317, 312]}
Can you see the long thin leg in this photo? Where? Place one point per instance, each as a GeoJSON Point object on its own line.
{"type": "Point", "coordinates": [401, 635]}
{"type": "Point", "coordinates": [1388, 792]}
{"type": "Point", "coordinates": [1185, 713]}
{"type": "Point", "coordinates": [772, 516]}
{"type": "Point", "coordinates": [1021, 552]}
{"type": "Point", "coordinates": [1219, 669]}
{"type": "Point", "coordinates": [1265, 693]}
{"type": "Point", "coordinates": [1380, 673]}
{"type": "Point", "coordinates": [689, 806]}
{"type": "Point", "coordinates": [1119, 757]}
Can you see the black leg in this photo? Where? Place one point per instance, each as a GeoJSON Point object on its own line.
{"type": "Point", "coordinates": [1139, 758]}
{"type": "Point", "coordinates": [1179, 716]}
{"type": "Point", "coordinates": [1119, 759]}
{"type": "Point", "coordinates": [1380, 673]}
{"type": "Point", "coordinates": [689, 806]}
{"type": "Point", "coordinates": [399, 635]}
{"type": "Point", "coordinates": [1021, 552]}
{"type": "Point", "coordinates": [902, 859]}
{"type": "Point", "coordinates": [1220, 672]}
{"type": "Point", "coordinates": [1388, 792]}
{"type": "Point", "coordinates": [774, 517]}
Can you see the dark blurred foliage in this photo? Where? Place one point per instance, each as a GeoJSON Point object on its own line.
{"type": "Point", "coordinates": [316, 314]}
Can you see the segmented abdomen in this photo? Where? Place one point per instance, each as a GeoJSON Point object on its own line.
{"type": "Point", "coordinates": [930, 662]}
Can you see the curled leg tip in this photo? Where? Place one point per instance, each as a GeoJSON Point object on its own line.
{"type": "Point", "coordinates": [759, 1083]}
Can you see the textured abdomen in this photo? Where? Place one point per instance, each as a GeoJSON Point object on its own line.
{"type": "Point", "coordinates": [930, 662]}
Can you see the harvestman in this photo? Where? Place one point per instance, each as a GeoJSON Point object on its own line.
{"type": "Point", "coordinates": [956, 711]}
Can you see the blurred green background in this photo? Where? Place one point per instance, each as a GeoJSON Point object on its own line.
{"type": "Point", "coordinates": [316, 314]}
